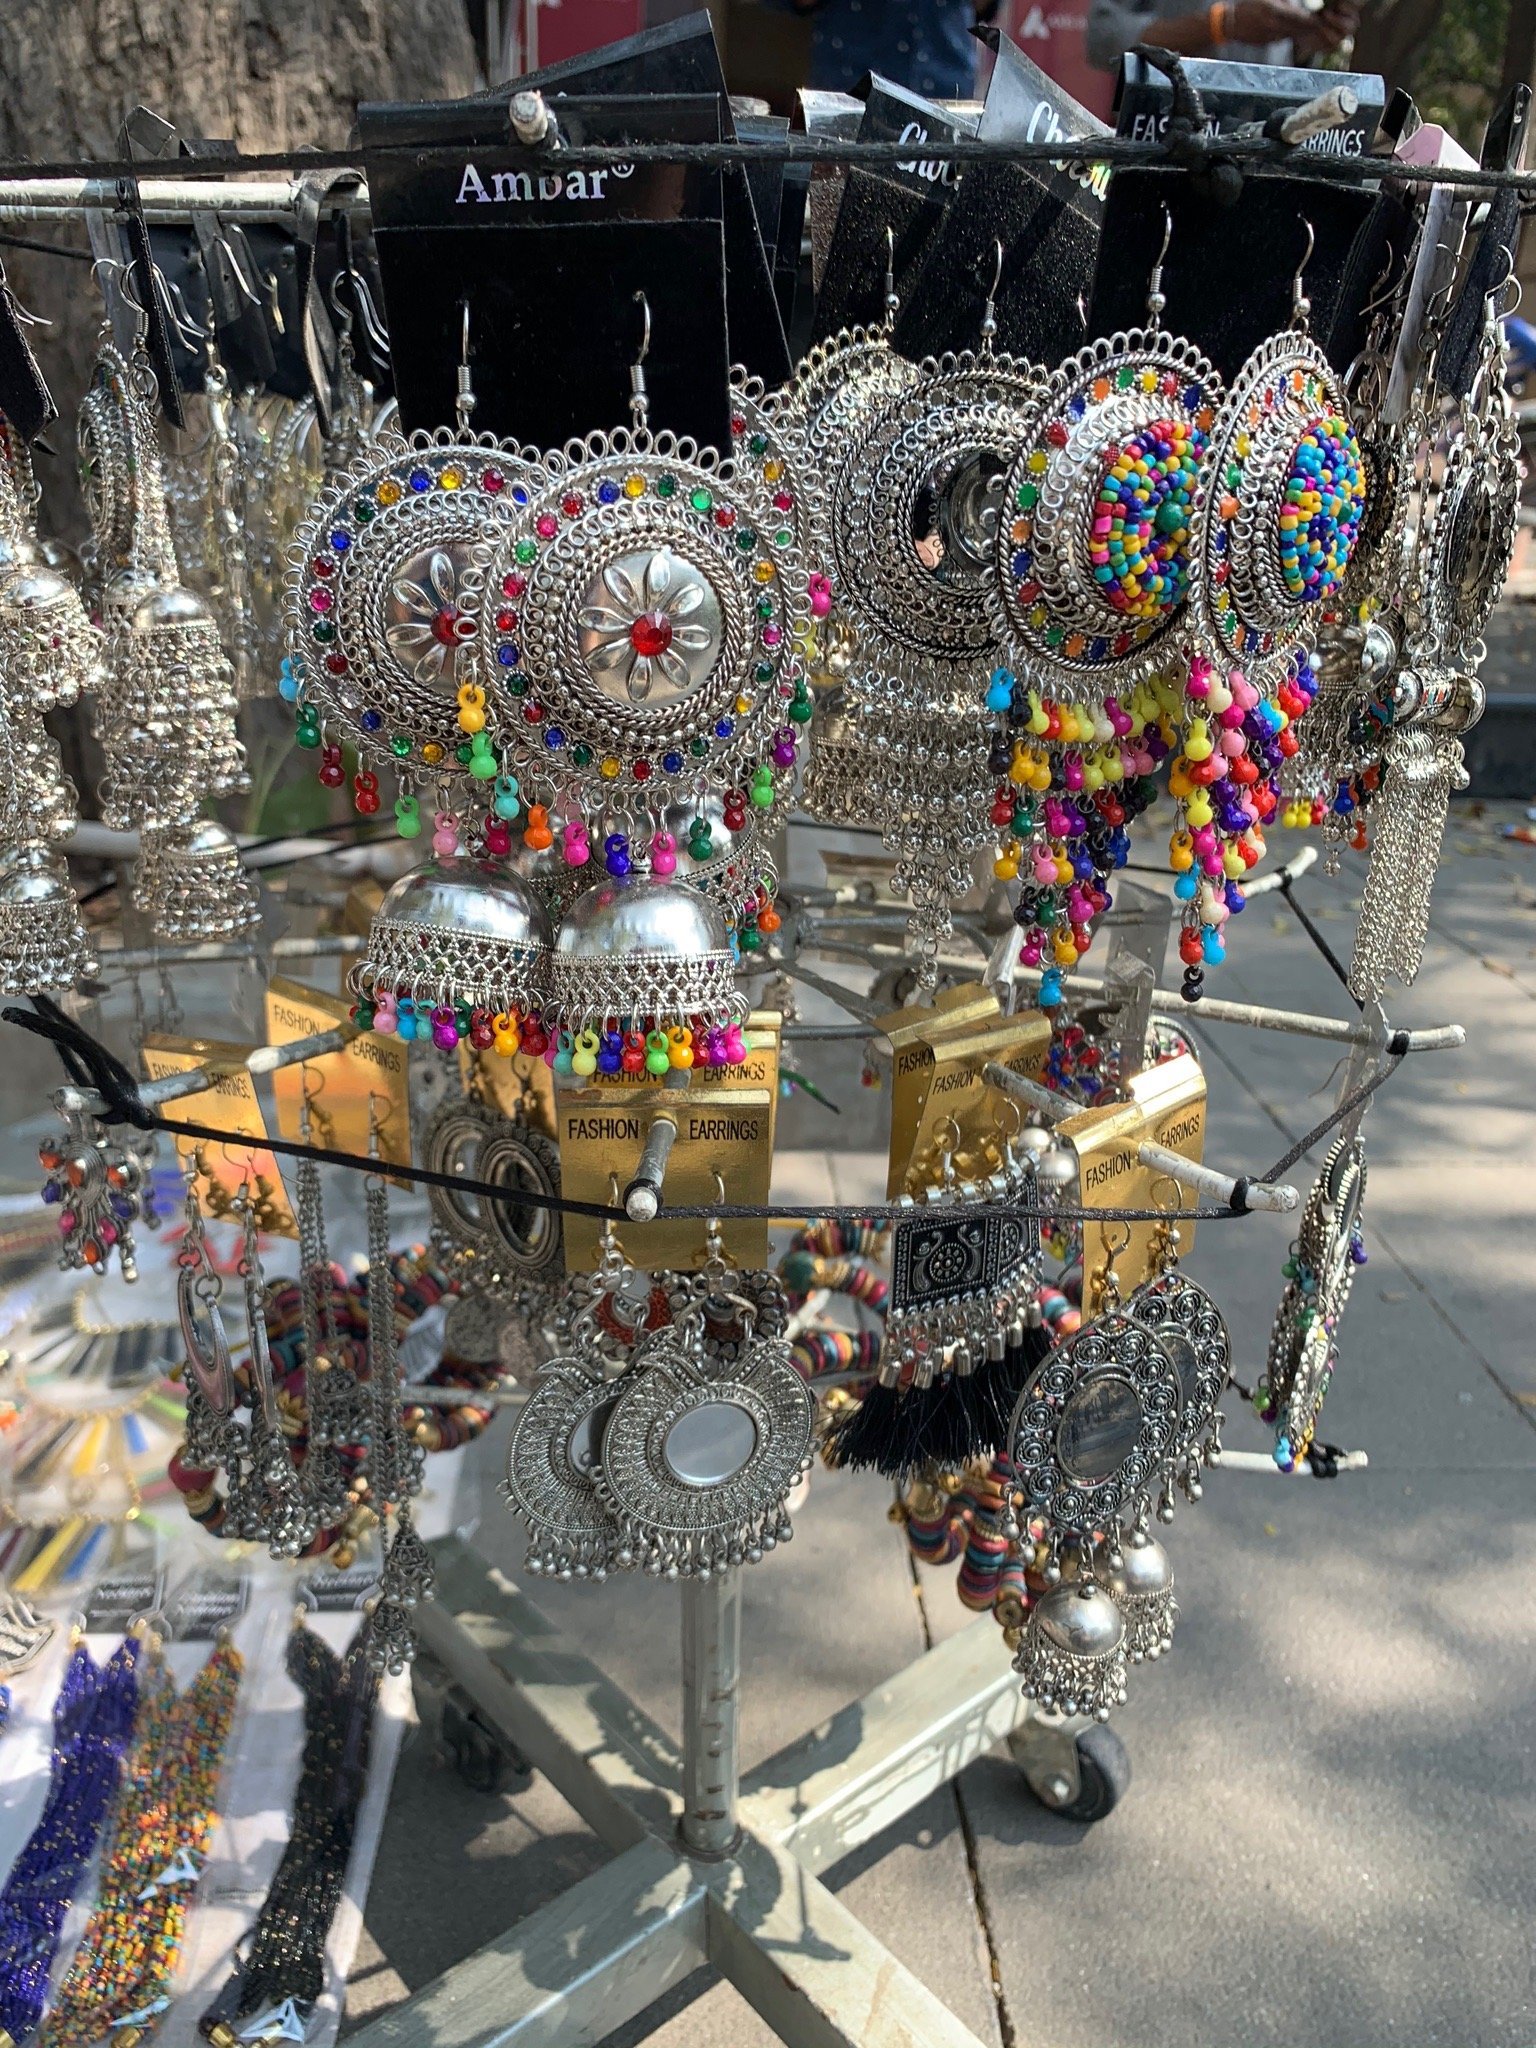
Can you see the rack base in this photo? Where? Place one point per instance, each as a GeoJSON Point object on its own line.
{"type": "Point", "coordinates": [699, 1874]}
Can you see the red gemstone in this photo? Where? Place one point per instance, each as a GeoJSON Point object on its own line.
{"type": "Point", "coordinates": [514, 585]}
{"type": "Point", "coordinates": [323, 566]}
{"type": "Point", "coordinates": [570, 505]}
{"type": "Point", "coordinates": [725, 515]}
{"type": "Point", "coordinates": [651, 634]}
{"type": "Point", "coordinates": [493, 481]}
{"type": "Point", "coordinates": [546, 526]}
{"type": "Point", "coordinates": [533, 713]}
{"type": "Point", "coordinates": [1028, 591]}
{"type": "Point", "coordinates": [451, 627]}
{"type": "Point", "coordinates": [337, 664]}
{"type": "Point", "coordinates": [783, 502]}
{"type": "Point", "coordinates": [642, 771]}
{"type": "Point", "coordinates": [1056, 434]}
{"type": "Point", "coordinates": [738, 424]}
{"type": "Point", "coordinates": [506, 622]}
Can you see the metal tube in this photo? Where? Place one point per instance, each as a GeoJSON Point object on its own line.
{"type": "Point", "coordinates": [266, 1059]}
{"type": "Point", "coordinates": [1330, 109]}
{"type": "Point", "coordinates": [711, 1686]}
{"type": "Point", "coordinates": [1299, 865]}
{"type": "Point", "coordinates": [642, 1198]}
{"type": "Point", "coordinates": [166, 199]}
{"type": "Point", "coordinates": [1261, 1461]}
{"type": "Point", "coordinates": [336, 945]}
{"type": "Point", "coordinates": [1048, 1107]}
{"type": "Point", "coordinates": [1276, 1196]}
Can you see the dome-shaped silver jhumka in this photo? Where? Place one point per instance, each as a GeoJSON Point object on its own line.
{"type": "Point", "coordinates": [458, 931]}
{"type": "Point", "coordinates": [644, 949]}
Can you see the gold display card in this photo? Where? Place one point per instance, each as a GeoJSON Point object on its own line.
{"type": "Point", "coordinates": [913, 1034]}
{"type": "Point", "coordinates": [1166, 1107]}
{"type": "Point", "coordinates": [223, 1166]}
{"type": "Point", "coordinates": [728, 1131]}
{"type": "Point", "coordinates": [340, 1083]}
{"type": "Point", "coordinates": [519, 1085]}
{"type": "Point", "coordinates": [955, 1091]}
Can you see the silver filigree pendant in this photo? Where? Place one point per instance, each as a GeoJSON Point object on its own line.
{"type": "Point", "coordinates": [1191, 1329]}
{"type": "Point", "coordinates": [697, 1460]}
{"type": "Point", "coordinates": [506, 1254]}
{"type": "Point", "coordinates": [551, 1460]}
{"type": "Point", "coordinates": [1303, 1345]}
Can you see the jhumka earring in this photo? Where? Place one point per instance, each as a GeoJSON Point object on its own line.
{"type": "Point", "coordinates": [914, 515]}
{"type": "Point", "coordinates": [166, 716]}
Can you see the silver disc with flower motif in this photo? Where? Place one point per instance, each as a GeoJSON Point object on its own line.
{"type": "Point", "coordinates": [644, 633]}
{"type": "Point", "coordinates": [386, 593]}
{"type": "Point", "coordinates": [1193, 1332]}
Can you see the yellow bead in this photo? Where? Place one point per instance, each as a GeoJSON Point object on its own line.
{"type": "Point", "coordinates": [389, 492]}
{"type": "Point", "coordinates": [1038, 461]}
{"type": "Point", "coordinates": [763, 572]}
{"type": "Point", "coordinates": [773, 469]}
{"type": "Point", "coordinates": [634, 486]}
{"type": "Point", "coordinates": [451, 478]}
{"type": "Point", "coordinates": [608, 768]}
{"type": "Point", "coordinates": [1197, 808]}
{"type": "Point", "coordinates": [431, 753]}
{"type": "Point", "coordinates": [743, 706]}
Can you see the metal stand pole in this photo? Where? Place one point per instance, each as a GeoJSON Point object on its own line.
{"type": "Point", "coordinates": [711, 1706]}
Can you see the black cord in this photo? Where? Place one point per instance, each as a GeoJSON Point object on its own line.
{"type": "Point", "coordinates": [1260, 155]}
{"type": "Point", "coordinates": [45, 248]}
{"type": "Point", "coordinates": [1312, 932]}
{"type": "Point", "coordinates": [90, 1065]}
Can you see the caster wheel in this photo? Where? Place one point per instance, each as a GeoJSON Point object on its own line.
{"type": "Point", "coordinates": [1104, 1775]}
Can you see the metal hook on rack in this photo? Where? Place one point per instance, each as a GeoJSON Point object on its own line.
{"type": "Point", "coordinates": [892, 302]}
{"type": "Point", "coordinates": [366, 313]}
{"type": "Point", "coordinates": [243, 285]}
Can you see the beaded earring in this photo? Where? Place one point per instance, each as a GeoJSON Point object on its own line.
{"type": "Point", "coordinates": [1092, 579]}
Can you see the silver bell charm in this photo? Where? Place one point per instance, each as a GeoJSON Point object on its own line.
{"type": "Point", "coordinates": [1141, 1586]}
{"type": "Point", "coordinates": [1073, 1654]}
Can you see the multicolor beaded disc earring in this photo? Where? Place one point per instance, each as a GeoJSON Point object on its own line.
{"type": "Point", "coordinates": [1092, 569]}
{"type": "Point", "coordinates": [1282, 497]}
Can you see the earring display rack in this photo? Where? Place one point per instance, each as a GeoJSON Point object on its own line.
{"type": "Point", "coordinates": [710, 1866]}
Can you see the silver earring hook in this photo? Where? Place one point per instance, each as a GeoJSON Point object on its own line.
{"type": "Point", "coordinates": [465, 401]}
{"type": "Point", "coordinates": [1301, 305]}
{"type": "Point", "coordinates": [989, 311]}
{"type": "Point", "coordinates": [242, 282]}
{"type": "Point", "coordinates": [36, 319]}
{"type": "Point", "coordinates": [639, 398]}
{"type": "Point", "coordinates": [1156, 302]}
{"type": "Point", "coordinates": [892, 302]}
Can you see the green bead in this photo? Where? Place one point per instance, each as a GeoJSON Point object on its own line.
{"type": "Point", "coordinates": [1026, 496]}
{"type": "Point", "coordinates": [698, 748]}
{"type": "Point", "coordinates": [801, 709]}
{"type": "Point", "coordinates": [365, 509]}
{"type": "Point", "coordinates": [783, 537]}
{"type": "Point", "coordinates": [582, 756]}
{"type": "Point", "coordinates": [746, 540]}
{"type": "Point", "coordinates": [749, 939]}
{"type": "Point", "coordinates": [399, 746]}
{"type": "Point", "coordinates": [765, 607]}
{"type": "Point", "coordinates": [462, 754]}
{"type": "Point", "coordinates": [758, 444]}
{"type": "Point", "coordinates": [764, 672]}
{"type": "Point", "coordinates": [666, 485]}
{"type": "Point", "coordinates": [527, 551]}
{"type": "Point", "coordinates": [324, 632]}
{"type": "Point", "coordinates": [701, 500]}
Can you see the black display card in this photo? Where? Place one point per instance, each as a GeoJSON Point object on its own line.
{"type": "Point", "coordinates": [1240, 95]}
{"type": "Point", "coordinates": [25, 399]}
{"type": "Point", "coordinates": [549, 261]}
{"type": "Point", "coordinates": [898, 207]}
{"type": "Point", "coordinates": [1049, 248]}
{"type": "Point", "coordinates": [682, 58]}
{"type": "Point", "coordinates": [1227, 274]}
{"type": "Point", "coordinates": [1023, 105]}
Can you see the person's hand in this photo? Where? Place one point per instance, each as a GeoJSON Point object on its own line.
{"type": "Point", "coordinates": [1326, 31]}
{"type": "Point", "coordinates": [1266, 21]}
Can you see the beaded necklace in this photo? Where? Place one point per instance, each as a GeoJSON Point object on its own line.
{"type": "Point", "coordinates": [93, 1720]}
{"type": "Point", "coordinates": [284, 1966]}
{"type": "Point", "coordinates": [117, 1983]}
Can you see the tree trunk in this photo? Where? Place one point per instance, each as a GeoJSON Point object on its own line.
{"type": "Point", "coordinates": [1391, 36]}
{"type": "Point", "coordinates": [265, 74]}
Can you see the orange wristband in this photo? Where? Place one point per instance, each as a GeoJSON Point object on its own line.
{"type": "Point", "coordinates": [1216, 23]}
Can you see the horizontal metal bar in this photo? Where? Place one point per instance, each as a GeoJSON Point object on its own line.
{"type": "Point", "coordinates": [165, 199]}
{"type": "Point", "coordinates": [1276, 878]}
{"type": "Point", "coordinates": [814, 1973]}
{"type": "Point", "coordinates": [1048, 1107]}
{"type": "Point", "coordinates": [615, 1766]}
{"type": "Point", "coordinates": [334, 945]}
{"type": "Point", "coordinates": [569, 1974]}
{"type": "Point", "coordinates": [1261, 1461]}
{"type": "Point", "coordinates": [839, 1786]}
{"type": "Point", "coordinates": [266, 1059]}
{"type": "Point", "coordinates": [1276, 1196]}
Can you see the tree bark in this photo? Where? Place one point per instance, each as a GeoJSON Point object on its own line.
{"type": "Point", "coordinates": [265, 74]}
{"type": "Point", "coordinates": [1392, 33]}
